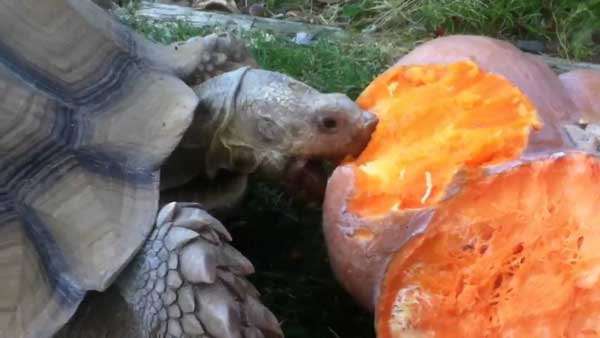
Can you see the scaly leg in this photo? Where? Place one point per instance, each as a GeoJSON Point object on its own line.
{"type": "Point", "coordinates": [187, 281]}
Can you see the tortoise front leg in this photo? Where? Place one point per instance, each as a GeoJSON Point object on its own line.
{"type": "Point", "coordinates": [201, 58]}
{"type": "Point", "coordinates": [187, 281]}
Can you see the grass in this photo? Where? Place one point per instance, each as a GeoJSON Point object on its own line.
{"type": "Point", "coordinates": [326, 65]}
{"type": "Point", "coordinates": [284, 239]}
{"type": "Point", "coordinates": [569, 25]}
{"type": "Point", "coordinates": [163, 33]}
{"type": "Point", "coordinates": [568, 28]}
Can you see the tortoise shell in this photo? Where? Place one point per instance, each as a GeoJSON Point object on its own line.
{"type": "Point", "coordinates": [87, 116]}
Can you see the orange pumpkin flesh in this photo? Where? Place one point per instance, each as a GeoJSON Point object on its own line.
{"type": "Point", "coordinates": [512, 255]}
{"type": "Point", "coordinates": [507, 255]}
{"type": "Point", "coordinates": [435, 120]}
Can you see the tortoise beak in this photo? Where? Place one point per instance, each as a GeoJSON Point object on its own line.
{"type": "Point", "coordinates": [369, 122]}
{"type": "Point", "coordinates": [366, 126]}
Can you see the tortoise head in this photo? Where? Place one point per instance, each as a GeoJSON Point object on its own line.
{"type": "Point", "coordinates": [279, 128]}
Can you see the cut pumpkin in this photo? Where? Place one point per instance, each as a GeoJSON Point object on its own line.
{"type": "Point", "coordinates": [470, 213]}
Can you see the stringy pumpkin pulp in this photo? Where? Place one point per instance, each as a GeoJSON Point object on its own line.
{"type": "Point", "coordinates": [512, 255]}
{"type": "Point", "coordinates": [433, 121]}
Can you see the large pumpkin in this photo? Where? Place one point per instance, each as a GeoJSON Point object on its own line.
{"type": "Point", "coordinates": [470, 213]}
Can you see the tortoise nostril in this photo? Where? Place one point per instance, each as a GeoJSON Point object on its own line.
{"type": "Point", "coordinates": [329, 123]}
{"type": "Point", "coordinates": [369, 121]}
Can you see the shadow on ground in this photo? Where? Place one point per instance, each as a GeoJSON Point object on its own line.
{"type": "Point", "coordinates": [286, 246]}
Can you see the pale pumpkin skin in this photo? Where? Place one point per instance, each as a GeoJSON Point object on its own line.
{"type": "Point", "coordinates": [360, 248]}
{"type": "Point", "coordinates": [583, 86]}
{"type": "Point", "coordinates": [527, 71]}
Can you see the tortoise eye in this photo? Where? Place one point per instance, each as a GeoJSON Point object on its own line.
{"type": "Point", "coordinates": [328, 124]}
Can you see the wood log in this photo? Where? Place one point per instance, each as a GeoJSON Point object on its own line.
{"type": "Point", "coordinates": [197, 18]}
{"type": "Point", "coordinates": [562, 65]}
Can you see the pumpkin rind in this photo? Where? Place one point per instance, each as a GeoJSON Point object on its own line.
{"type": "Point", "coordinates": [583, 86]}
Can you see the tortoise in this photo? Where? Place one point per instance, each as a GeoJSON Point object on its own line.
{"type": "Point", "coordinates": [96, 125]}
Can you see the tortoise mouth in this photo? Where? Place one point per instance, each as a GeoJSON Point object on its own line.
{"type": "Point", "coordinates": [305, 179]}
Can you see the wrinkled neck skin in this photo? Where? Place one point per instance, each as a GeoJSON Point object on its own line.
{"type": "Point", "coordinates": [207, 136]}
{"type": "Point", "coordinates": [247, 121]}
